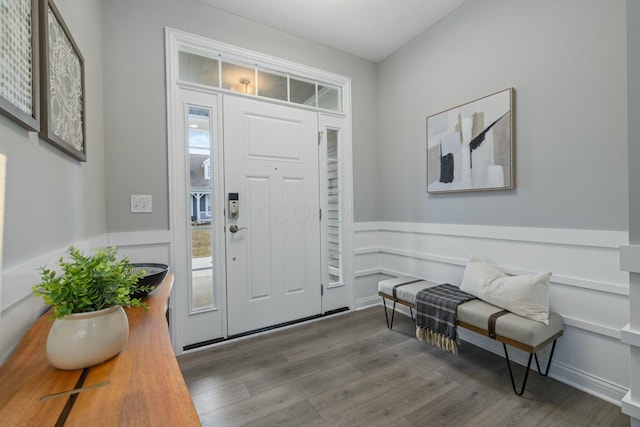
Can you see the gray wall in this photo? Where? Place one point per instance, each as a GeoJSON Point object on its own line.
{"type": "Point", "coordinates": [135, 113]}
{"type": "Point", "coordinates": [53, 200]}
{"type": "Point", "coordinates": [567, 62]}
{"type": "Point", "coordinates": [633, 77]}
{"type": "Point", "coordinates": [633, 67]}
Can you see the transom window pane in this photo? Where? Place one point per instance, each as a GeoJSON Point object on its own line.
{"type": "Point", "coordinates": [272, 85]}
{"type": "Point", "coordinates": [329, 97]}
{"type": "Point", "coordinates": [302, 91]}
{"type": "Point", "coordinates": [239, 78]}
{"type": "Point", "coordinates": [198, 69]}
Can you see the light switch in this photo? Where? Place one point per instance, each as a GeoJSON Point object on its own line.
{"type": "Point", "coordinates": [140, 203]}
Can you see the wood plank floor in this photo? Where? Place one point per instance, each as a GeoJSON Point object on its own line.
{"type": "Point", "coordinates": [351, 370]}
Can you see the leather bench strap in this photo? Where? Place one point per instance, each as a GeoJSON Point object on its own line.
{"type": "Point", "coordinates": [402, 284]}
{"type": "Point", "coordinates": [491, 329]}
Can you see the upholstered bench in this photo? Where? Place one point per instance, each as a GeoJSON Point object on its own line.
{"type": "Point", "coordinates": [517, 331]}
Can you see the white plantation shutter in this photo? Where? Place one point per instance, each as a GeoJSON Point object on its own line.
{"type": "Point", "coordinates": [333, 208]}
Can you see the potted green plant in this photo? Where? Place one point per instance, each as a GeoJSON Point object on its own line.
{"type": "Point", "coordinates": [90, 325]}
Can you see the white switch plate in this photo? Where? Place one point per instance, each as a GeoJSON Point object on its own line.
{"type": "Point", "coordinates": [140, 203]}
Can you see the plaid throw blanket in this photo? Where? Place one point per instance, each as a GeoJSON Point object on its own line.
{"type": "Point", "coordinates": [436, 315]}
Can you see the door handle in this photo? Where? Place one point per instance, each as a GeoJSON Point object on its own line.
{"type": "Point", "coordinates": [234, 228]}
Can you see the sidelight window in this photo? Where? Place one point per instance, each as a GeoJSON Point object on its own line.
{"type": "Point", "coordinates": [334, 225]}
{"type": "Point", "coordinates": [200, 191]}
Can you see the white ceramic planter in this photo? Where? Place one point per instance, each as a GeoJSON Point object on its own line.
{"type": "Point", "coordinates": [81, 340]}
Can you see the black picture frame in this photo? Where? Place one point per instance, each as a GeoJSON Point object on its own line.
{"type": "Point", "coordinates": [15, 53]}
{"type": "Point", "coordinates": [62, 123]}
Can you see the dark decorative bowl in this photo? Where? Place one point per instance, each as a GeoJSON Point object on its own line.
{"type": "Point", "coordinates": [154, 275]}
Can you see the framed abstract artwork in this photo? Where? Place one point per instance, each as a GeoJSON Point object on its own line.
{"type": "Point", "coordinates": [62, 85]}
{"type": "Point", "coordinates": [19, 84]}
{"type": "Point", "coordinates": [470, 147]}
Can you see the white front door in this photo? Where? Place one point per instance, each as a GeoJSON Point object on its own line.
{"type": "Point", "coordinates": [273, 259]}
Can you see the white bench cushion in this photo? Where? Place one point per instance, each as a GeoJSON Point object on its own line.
{"type": "Point", "coordinates": [405, 292]}
{"type": "Point", "coordinates": [512, 326]}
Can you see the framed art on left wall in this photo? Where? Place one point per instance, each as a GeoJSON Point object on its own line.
{"type": "Point", "coordinates": [19, 85]}
{"type": "Point", "coordinates": [62, 82]}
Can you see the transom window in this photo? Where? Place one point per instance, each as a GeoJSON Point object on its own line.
{"type": "Point", "coordinates": [228, 73]}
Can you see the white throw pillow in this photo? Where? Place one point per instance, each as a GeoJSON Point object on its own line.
{"type": "Point", "coordinates": [527, 296]}
{"type": "Point", "coordinates": [476, 274]}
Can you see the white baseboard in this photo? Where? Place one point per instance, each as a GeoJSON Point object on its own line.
{"type": "Point", "coordinates": [371, 301]}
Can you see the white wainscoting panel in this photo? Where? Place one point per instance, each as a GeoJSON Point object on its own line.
{"type": "Point", "coordinates": [143, 246]}
{"type": "Point", "coordinates": [587, 286]}
{"type": "Point", "coordinates": [20, 308]}
{"type": "Point", "coordinates": [366, 265]}
{"type": "Point", "coordinates": [17, 280]}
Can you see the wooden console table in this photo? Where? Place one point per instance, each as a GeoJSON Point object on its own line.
{"type": "Point", "coordinates": [141, 386]}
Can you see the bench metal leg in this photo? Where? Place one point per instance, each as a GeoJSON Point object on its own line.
{"type": "Point", "coordinates": [526, 374]}
{"type": "Point", "coordinates": [386, 316]}
{"type": "Point", "coordinates": [393, 313]}
{"type": "Point", "coordinates": [546, 372]}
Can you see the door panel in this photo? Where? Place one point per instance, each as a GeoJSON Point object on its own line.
{"type": "Point", "coordinates": [294, 245]}
{"type": "Point", "coordinates": [262, 144]}
{"type": "Point", "coordinates": [273, 265]}
{"type": "Point", "coordinates": [257, 195]}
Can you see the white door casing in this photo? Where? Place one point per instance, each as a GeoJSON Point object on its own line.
{"type": "Point", "coordinates": [273, 265]}
{"type": "Point", "coordinates": [175, 42]}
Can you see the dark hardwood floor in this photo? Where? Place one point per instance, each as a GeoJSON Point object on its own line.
{"type": "Point", "coordinates": [351, 370]}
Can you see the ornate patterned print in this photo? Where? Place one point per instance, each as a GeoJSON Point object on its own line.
{"type": "Point", "coordinates": [65, 86]}
{"type": "Point", "coordinates": [15, 53]}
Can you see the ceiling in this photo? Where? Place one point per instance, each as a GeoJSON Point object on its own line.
{"type": "Point", "coordinates": [369, 29]}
